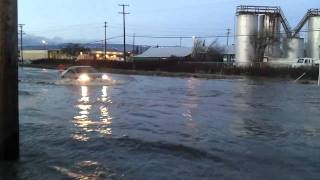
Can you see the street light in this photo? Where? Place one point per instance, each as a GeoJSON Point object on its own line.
{"type": "Point", "coordinates": [45, 44]}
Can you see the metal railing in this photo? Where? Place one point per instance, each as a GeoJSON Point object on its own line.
{"type": "Point", "coordinates": [285, 23]}
{"type": "Point", "coordinates": [257, 9]}
{"type": "Point", "coordinates": [267, 10]}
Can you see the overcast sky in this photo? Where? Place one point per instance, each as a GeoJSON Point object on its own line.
{"type": "Point", "coordinates": [82, 20]}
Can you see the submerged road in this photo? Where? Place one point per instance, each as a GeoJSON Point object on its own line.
{"type": "Point", "coordinates": [150, 127]}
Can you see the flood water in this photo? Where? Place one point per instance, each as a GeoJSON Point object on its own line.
{"type": "Point", "coordinates": [149, 127]}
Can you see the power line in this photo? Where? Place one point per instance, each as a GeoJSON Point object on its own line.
{"type": "Point", "coordinates": [182, 37]}
{"type": "Point", "coordinates": [124, 13]}
{"type": "Point", "coordinates": [101, 41]}
{"type": "Point", "coordinates": [209, 36]}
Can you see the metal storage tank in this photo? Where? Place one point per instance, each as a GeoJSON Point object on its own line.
{"type": "Point", "coordinates": [313, 50]}
{"type": "Point", "coordinates": [272, 27]}
{"type": "Point", "coordinates": [247, 30]}
{"type": "Point", "coordinates": [261, 26]}
{"type": "Point", "coordinates": [293, 48]}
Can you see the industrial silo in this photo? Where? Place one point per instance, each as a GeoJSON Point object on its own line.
{"type": "Point", "coordinates": [261, 29]}
{"type": "Point", "coordinates": [293, 48]}
{"type": "Point", "coordinates": [272, 27]}
{"type": "Point", "coordinates": [313, 50]}
{"type": "Point", "coordinates": [247, 30]}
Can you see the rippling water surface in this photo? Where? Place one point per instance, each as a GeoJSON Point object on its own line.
{"type": "Point", "coordinates": [166, 128]}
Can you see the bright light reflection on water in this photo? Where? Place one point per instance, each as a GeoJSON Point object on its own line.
{"type": "Point", "coordinates": [83, 120]}
{"type": "Point", "coordinates": [105, 117]}
{"type": "Point", "coordinates": [161, 128]}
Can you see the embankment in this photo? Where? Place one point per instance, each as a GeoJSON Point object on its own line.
{"type": "Point", "coordinates": [180, 68]}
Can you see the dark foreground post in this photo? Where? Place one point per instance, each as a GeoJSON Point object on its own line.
{"type": "Point", "coordinates": [9, 118]}
{"type": "Point", "coordinates": [319, 76]}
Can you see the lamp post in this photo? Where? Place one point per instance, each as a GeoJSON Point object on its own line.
{"type": "Point", "coordinates": [45, 44]}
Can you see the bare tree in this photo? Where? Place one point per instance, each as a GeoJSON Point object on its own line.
{"type": "Point", "coordinates": [199, 50]}
{"type": "Point", "coordinates": [215, 52]}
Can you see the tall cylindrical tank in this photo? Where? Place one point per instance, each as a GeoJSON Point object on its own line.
{"type": "Point", "coordinates": [272, 27]}
{"type": "Point", "coordinates": [247, 30]}
{"type": "Point", "coordinates": [261, 29]}
{"type": "Point", "coordinates": [313, 50]}
{"type": "Point", "coordinates": [293, 48]}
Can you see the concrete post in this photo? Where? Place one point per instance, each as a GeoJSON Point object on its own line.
{"type": "Point", "coordinates": [9, 118]}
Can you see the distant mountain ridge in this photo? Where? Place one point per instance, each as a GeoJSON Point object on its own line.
{"type": "Point", "coordinates": [31, 42]}
{"type": "Point", "coordinates": [96, 47]}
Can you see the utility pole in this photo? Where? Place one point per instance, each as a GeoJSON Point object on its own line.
{"type": "Point", "coordinates": [9, 113]}
{"type": "Point", "coordinates": [319, 76]}
{"type": "Point", "coordinates": [105, 40]}
{"type": "Point", "coordinates": [180, 41]}
{"type": "Point", "coordinates": [133, 42]}
{"type": "Point", "coordinates": [124, 13]}
{"type": "Point", "coordinates": [319, 69]}
{"type": "Point", "coordinates": [228, 35]}
{"type": "Point", "coordinates": [21, 42]}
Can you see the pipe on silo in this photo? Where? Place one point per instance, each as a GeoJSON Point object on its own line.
{"type": "Point", "coordinates": [272, 25]}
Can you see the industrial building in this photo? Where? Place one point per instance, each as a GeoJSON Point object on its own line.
{"type": "Point", "coordinates": [263, 34]}
{"type": "Point", "coordinates": [101, 55]}
{"type": "Point", "coordinates": [35, 54]}
{"type": "Point", "coordinates": [229, 54]}
{"type": "Point", "coordinates": [163, 53]}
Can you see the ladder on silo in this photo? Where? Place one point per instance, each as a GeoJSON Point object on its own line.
{"type": "Point", "coordinates": [285, 23]}
{"type": "Point", "coordinates": [310, 13]}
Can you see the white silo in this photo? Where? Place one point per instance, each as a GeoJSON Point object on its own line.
{"type": "Point", "coordinates": [313, 50]}
{"type": "Point", "coordinates": [293, 48]}
{"type": "Point", "coordinates": [246, 35]}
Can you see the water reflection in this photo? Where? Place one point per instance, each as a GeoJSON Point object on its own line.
{"type": "Point", "coordinates": [84, 94]}
{"type": "Point", "coordinates": [190, 105]}
{"type": "Point", "coordinates": [84, 170]}
{"type": "Point", "coordinates": [192, 101]}
{"type": "Point", "coordinates": [93, 116]}
{"type": "Point", "coordinates": [105, 117]}
{"type": "Point", "coordinates": [250, 104]}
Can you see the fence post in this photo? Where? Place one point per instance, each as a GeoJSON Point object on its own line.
{"type": "Point", "coordinates": [9, 118]}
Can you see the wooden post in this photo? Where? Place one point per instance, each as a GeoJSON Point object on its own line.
{"type": "Point", "coordinates": [9, 117]}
